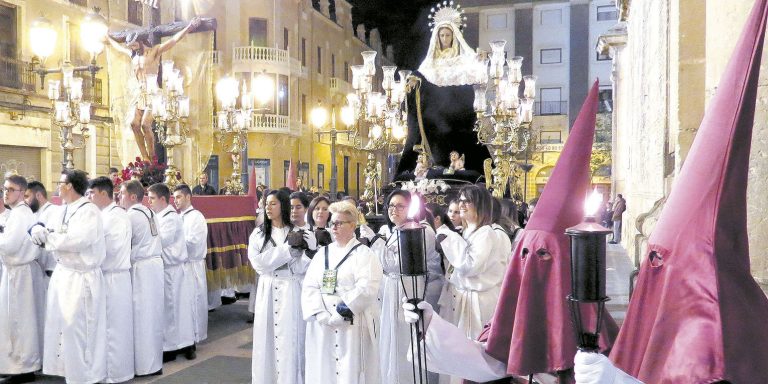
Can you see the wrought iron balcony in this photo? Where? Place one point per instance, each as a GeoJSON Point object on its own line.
{"type": "Point", "coordinates": [16, 74]}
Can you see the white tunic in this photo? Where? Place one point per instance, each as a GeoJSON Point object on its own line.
{"type": "Point", "coordinates": [278, 327]}
{"type": "Point", "coordinates": [148, 281]}
{"type": "Point", "coordinates": [117, 277]}
{"type": "Point", "coordinates": [196, 238]}
{"type": "Point", "coordinates": [348, 353]}
{"type": "Point", "coordinates": [46, 259]}
{"type": "Point", "coordinates": [21, 295]}
{"type": "Point", "coordinates": [75, 323]}
{"type": "Point", "coordinates": [179, 286]}
{"type": "Point", "coordinates": [475, 284]}
{"type": "Point", "coordinates": [395, 333]}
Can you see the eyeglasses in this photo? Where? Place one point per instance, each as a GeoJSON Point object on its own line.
{"type": "Point", "coordinates": [464, 201]}
{"type": "Point", "coordinates": [9, 190]}
{"type": "Point", "coordinates": [397, 207]}
{"type": "Point", "coordinates": [337, 223]}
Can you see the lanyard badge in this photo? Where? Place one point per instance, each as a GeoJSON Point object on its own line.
{"type": "Point", "coordinates": [329, 282]}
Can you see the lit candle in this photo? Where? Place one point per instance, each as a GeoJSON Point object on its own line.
{"type": "Point", "coordinates": [184, 106]}
{"type": "Point", "coordinates": [62, 111]}
{"type": "Point", "coordinates": [76, 90]}
{"type": "Point", "coordinates": [53, 89]}
{"type": "Point", "coordinates": [85, 113]}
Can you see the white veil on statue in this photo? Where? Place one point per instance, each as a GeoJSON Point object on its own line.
{"type": "Point", "coordinates": [460, 66]}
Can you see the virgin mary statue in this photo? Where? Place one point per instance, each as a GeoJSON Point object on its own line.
{"type": "Point", "coordinates": [450, 60]}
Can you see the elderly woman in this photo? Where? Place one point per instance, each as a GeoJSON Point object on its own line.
{"type": "Point", "coordinates": [278, 327]}
{"type": "Point", "coordinates": [394, 336]}
{"type": "Point", "coordinates": [477, 261]}
{"type": "Point", "coordinates": [339, 305]}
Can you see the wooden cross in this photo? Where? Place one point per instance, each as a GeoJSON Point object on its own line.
{"type": "Point", "coordinates": [154, 33]}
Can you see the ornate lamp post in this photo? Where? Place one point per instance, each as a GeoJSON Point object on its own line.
{"type": "Point", "coordinates": [170, 109]}
{"type": "Point", "coordinates": [319, 119]}
{"type": "Point", "coordinates": [503, 121]}
{"type": "Point", "coordinates": [236, 117]}
{"type": "Point", "coordinates": [68, 109]}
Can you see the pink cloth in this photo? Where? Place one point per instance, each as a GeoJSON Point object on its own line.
{"type": "Point", "coordinates": [532, 329]}
{"type": "Point", "coordinates": [292, 175]}
{"type": "Point", "coordinates": [697, 315]}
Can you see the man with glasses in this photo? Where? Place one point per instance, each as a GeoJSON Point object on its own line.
{"type": "Point", "coordinates": [21, 291]}
{"type": "Point", "coordinates": [147, 276]}
{"type": "Point", "coordinates": [75, 323]}
{"type": "Point", "coordinates": [37, 198]}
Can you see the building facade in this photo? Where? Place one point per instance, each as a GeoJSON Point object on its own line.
{"type": "Point", "coordinates": [306, 46]}
{"type": "Point", "coordinates": [556, 39]}
{"type": "Point", "coordinates": [668, 57]}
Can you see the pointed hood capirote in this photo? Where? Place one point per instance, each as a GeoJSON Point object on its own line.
{"type": "Point", "coordinates": [532, 329]}
{"type": "Point", "coordinates": [697, 315]}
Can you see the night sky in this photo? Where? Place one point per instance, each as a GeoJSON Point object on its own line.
{"type": "Point", "coordinates": [402, 23]}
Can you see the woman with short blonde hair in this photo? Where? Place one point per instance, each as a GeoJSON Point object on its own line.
{"type": "Point", "coordinates": [339, 304]}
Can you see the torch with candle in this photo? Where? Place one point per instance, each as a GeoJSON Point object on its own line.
{"type": "Point", "coordinates": [412, 248]}
{"type": "Point", "coordinates": [588, 271]}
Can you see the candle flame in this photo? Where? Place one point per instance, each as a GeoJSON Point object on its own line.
{"type": "Point", "coordinates": [592, 204]}
{"type": "Point", "coordinates": [413, 209]}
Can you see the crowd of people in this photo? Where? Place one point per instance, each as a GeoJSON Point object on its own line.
{"type": "Point", "coordinates": [100, 288]}
{"type": "Point", "coordinates": [99, 317]}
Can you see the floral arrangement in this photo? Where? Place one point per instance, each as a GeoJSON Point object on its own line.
{"type": "Point", "coordinates": [147, 172]}
{"type": "Point", "coordinates": [426, 186]}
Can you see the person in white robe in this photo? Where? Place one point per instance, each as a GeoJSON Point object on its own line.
{"type": "Point", "coordinates": [196, 238]}
{"type": "Point", "coordinates": [37, 198]}
{"type": "Point", "coordinates": [75, 318]}
{"type": "Point", "coordinates": [339, 304]}
{"type": "Point", "coordinates": [476, 261]}
{"type": "Point", "coordinates": [278, 327]}
{"type": "Point", "coordinates": [395, 334]}
{"type": "Point", "coordinates": [117, 280]}
{"type": "Point", "coordinates": [179, 335]}
{"type": "Point", "coordinates": [21, 288]}
{"type": "Point", "coordinates": [148, 279]}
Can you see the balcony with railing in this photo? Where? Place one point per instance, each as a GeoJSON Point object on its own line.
{"type": "Point", "coordinates": [543, 108]}
{"type": "Point", "coordinates": [254, 59]}
{"type": "Point", "coordinates": [270, 123]}
{"type": "Point", "coordinates": [17, 74]}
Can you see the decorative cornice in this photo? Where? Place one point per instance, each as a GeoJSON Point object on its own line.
{"type": "Point", "coordinates": [615, 37]}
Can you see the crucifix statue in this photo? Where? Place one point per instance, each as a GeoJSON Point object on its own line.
{"type": "Point", "coordinates": [142, 46]}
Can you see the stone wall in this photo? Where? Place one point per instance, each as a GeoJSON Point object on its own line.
{"type": "Point", "coordinates": [668, 71]}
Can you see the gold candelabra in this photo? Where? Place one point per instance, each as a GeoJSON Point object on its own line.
{"type": "Point", "coordinates": [170, 110]}
{"type": "Point", "coordinates": [503, 121]}
{"type": "Point", "coordinates": [233, 122]}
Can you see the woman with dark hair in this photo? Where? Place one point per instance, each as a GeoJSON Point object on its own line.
{"type": "Point", "coordinates": [318, 218]}
{"type": "Point", "coordinates": [502, 231]}
{"type": "Point", "coordinates": [477, 270]}
{"type": "Point", "coordinates": [441, 217]}
{"type": "Point", "coordinates": [278, 326]}
{"type": "Point", "coordinates": [395, 335]}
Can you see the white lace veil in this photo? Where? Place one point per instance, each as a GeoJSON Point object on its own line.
{"type": "Point", "coordinates": [458, 70]}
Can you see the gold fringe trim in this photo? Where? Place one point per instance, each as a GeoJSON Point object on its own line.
{"type": "Point", "coordinates": [230, 219]}
{"type": "Point", "coordinates": [227, 248]}
{"type": "Point", "coordinates": [228, 278]}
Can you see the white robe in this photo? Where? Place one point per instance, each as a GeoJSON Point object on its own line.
{"type": "Point", "coordinates": [196, 238]}
{"type": "Point", "coordinates": [179, 285]}
{"type": "Point", "coordinates": [346, 354]}
{"type": "Point", "coordinates": [21, 295]}
{"type": "Point", "coordinates": [395, 333]}
{"type": "Point", "coordinates": [117, 277]}
{"type": "Point", "coordinates": [75, 323]}
{"type": "Point", "coordinates": [46, 259]}
{"type": "Point", "coordinates": [148, 281]}
{"type": "Point", "coordinates": [475, 284]}
{"type": "Point", "coordinates": [278, 327]}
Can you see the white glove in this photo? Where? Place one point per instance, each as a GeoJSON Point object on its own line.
{"type": "Point", "coordinates": [367, 232]}
{"type": "Point", "coordinates": [411, 316]}
{"type": "Point", "coordinates": [311, 240]}
{"type": "Point", "coordinates": [322, 318]}
{"type": "Point", "coordinates": [595, 368]}
{"type": "Point", "coordinates": [336, 320]}
{"type": "Point", "coordinates": [38, 234]}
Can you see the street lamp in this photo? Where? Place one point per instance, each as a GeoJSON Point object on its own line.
{"type": "Point", "coordinates": [319, 119]}
{"type": "Point", "coordinates": [236, 116]}
{"type": "Point", "coordinates": [68, 109]}
{"type": "Point", "coordinates": [170, 110]}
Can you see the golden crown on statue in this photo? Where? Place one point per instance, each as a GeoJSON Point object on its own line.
{"type": "Point", "coordinates": [446, 13]}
